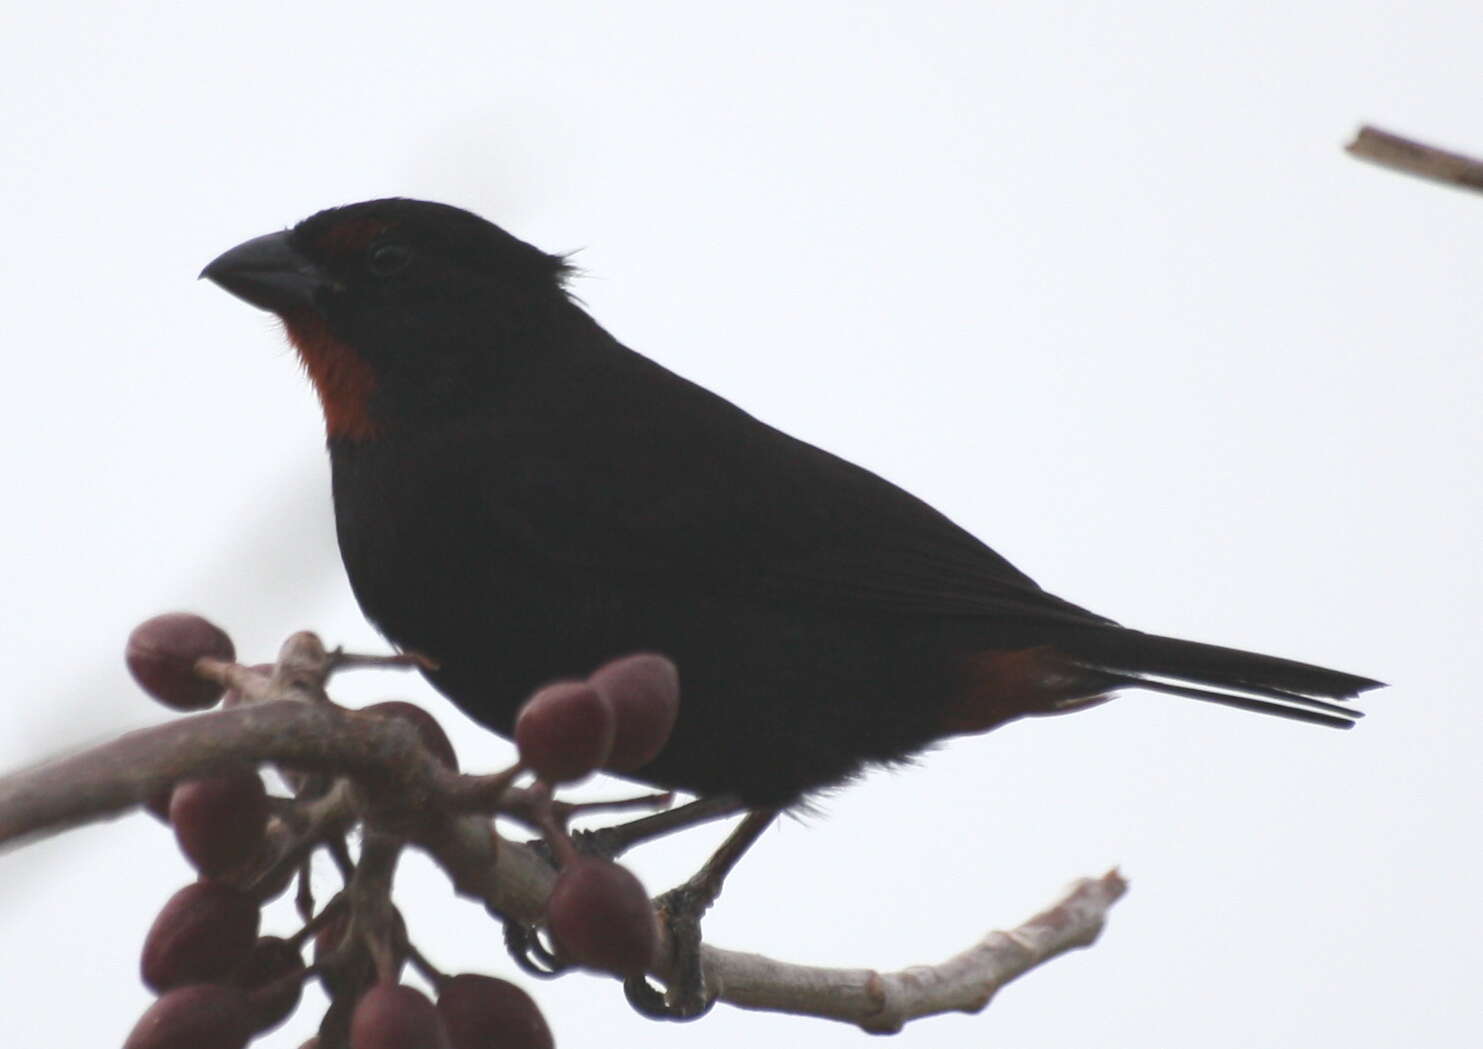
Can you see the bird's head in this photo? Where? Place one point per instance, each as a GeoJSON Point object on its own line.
{"type": "Point", "coordinates": [398, 307]}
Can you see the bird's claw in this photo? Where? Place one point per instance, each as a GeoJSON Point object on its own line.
{"type": "Point", "coordinates": [686, 996]}
{"type": "Point", "coordinates": [649, 1001]}
{"type": "Point", "coordinates": [530, 953]}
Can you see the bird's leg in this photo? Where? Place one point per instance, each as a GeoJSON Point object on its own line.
{"type": "Point", "coordinates": [612, 842]}
{"type": "Point", "coordinates": [687, 997]}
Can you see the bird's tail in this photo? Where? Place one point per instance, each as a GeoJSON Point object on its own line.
{"type": "Point", "coordinates": [1245, 680]}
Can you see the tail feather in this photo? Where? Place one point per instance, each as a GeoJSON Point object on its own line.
{"type": "Point", "coordinates": [1229, 676]}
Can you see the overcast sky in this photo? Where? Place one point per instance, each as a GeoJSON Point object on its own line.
{"type": "Point", "coordinates": [1096, 280]}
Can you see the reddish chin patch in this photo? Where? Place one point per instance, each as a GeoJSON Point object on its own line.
{"type": "Point", "coordinates": [342, 378]}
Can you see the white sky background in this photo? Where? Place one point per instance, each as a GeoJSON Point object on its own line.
{"type": "Point", "coordinates": [1094, 279]}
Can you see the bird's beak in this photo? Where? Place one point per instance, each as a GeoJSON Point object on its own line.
{"type": "Point", "coordinates": [270, 274]}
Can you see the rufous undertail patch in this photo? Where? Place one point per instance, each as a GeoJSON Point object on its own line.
{"type": "Point", "coordinates": [1000, 685]}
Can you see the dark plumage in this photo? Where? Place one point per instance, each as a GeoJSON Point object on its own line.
{"type": "Point", "coordinates": [520, 497]}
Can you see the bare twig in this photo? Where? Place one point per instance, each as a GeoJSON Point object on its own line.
{"type": "Point", "coordinates": [1415, 158]}
{"type": "Point", "coordinates": [401, 660]}
{"type": "Point", "coordinates": [115, 777]}
{"type": "Point", "coordinates": [877, 1002]}
{"type": "Point", "coordinates": [387, 780]}
{"type": "Point", "coordinates": [883, 1003]}
{"type": "Point", "coordinates": [373, 917]}
{"type": "Point", "coordinates": [322, 820]}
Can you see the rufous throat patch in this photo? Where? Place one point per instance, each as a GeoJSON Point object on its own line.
{"type": "Point", "coordinates": [342, 378]}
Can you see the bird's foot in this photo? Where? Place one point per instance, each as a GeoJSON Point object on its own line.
{"type": "Point", "coordinates": [686, 996]}
{"type": "Point", "coordinates": [681, 909]}
{"type": "Point", "coordinates": [523, 941]}
{"type": "Point", "coordinates": [602, 842]}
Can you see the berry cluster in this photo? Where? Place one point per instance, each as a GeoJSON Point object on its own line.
{"type": "Point", "coordinates": [222, 984]}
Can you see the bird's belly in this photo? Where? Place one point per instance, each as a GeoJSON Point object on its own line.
{"type": "Point", "coordinates": [775, 700]}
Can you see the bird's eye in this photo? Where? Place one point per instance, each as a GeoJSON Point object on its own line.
{"type": "Point", "coordinates": [389, 258]}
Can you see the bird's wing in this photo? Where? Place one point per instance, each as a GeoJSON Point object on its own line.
{"type": "Point", "coordinates": [692, 491]}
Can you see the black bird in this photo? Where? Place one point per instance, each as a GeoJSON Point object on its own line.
{"type": "Point", "coordinates": [521, 498]}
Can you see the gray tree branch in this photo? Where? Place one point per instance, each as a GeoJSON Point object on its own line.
{"type": "Point", "coordinates": [1416, 158]}
{"type": "Point", "coordinates": [401, 790]}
